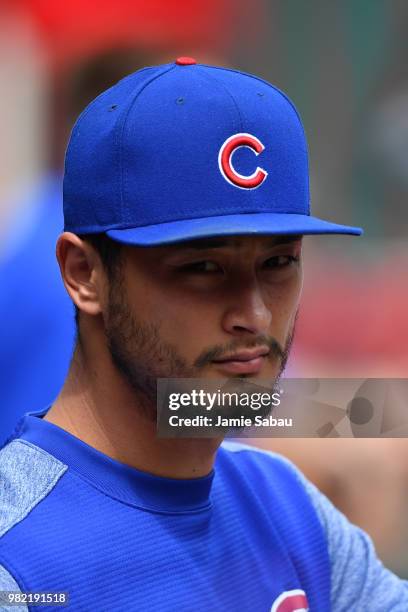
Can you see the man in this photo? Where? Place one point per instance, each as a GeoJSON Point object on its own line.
{"type": "Point", "coordinates": [185, 203]}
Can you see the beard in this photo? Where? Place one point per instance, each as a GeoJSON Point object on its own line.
{"type": "Point", "coordinates": [141, 356]}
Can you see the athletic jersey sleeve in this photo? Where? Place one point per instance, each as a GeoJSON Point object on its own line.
{"type": "Point", "coordinates": [8, 583]}
{"type": "Point", "coordinates": [359, 581]}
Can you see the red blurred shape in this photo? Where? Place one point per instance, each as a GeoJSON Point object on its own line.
{"type": "Point", "coordinates": [72, 29]}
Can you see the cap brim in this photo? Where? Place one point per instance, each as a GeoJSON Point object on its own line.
{"type": "Point", "coordinates": [229, 225]}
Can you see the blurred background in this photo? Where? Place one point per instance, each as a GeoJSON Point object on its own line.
{"type": "Point", "coordinates": [344, 66]}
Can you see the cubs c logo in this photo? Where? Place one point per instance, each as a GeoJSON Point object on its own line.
{"type": "Point", "coordinates": [225, 161]}
{"type": "Point", "coordinates": [291, 601]}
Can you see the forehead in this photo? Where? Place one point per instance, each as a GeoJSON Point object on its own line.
{"type": "Point", "coordinates": [235, 242]}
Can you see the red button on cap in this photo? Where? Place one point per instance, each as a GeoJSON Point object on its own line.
{"type": "Point", "coordinates": [185, 61]}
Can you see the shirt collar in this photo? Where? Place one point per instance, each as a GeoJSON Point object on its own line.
{"type": "Point", "coordinates": [121, 481]}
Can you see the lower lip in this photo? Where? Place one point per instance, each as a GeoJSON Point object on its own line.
{"type": "Point", "coordinates": [253, 366]}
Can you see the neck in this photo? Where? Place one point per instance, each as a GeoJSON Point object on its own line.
{"type": "Point", "coordinates": [97, 406]}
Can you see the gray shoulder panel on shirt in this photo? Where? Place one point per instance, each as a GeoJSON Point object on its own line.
{"type": "Point", "coordinates": [27, 475]}
{"type": "Point", "coordinates": [7, 583]}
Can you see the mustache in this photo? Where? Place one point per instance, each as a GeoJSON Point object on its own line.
{"type": "Point", "coordinates": [276, 351]}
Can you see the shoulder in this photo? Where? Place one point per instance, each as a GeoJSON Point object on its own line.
{"type": "Point", "coordinates": [270, 473]}
{"type": "Point", "coordinates": [265, 460]}
{"type": "Point", "coordinates": [269, 460]}
{"type": "Point", "coordinates": [27, 475]}
{"type": "Point", "coordinates": [357, 574]}
{"type": "Point", "coordinates": [8, 583]}
{"type": "Point", "coordinates": [276, 466]}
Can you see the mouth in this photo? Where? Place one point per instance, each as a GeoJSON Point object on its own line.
{"type": "Point", "coordinates": [243, 362]}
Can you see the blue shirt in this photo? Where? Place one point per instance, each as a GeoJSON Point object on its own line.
{"type": "Point", "coordinates": [252, 536]}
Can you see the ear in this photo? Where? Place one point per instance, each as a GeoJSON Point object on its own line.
{"type": "Point", "coordinates": [82, 272]}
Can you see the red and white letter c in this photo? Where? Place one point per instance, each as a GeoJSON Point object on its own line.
{"type": "Point", "coordinates": [291, 601]}
{"type": "Point", "coordinates": [225, 161]}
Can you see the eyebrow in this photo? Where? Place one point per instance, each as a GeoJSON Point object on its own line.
{"type": "Point", "coordinates": [218, 243]}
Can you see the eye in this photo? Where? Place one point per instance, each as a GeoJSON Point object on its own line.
{"type": "Point", "coordinates": [202, 267]}
{"type": "Point", "coordinates": [281, 261]}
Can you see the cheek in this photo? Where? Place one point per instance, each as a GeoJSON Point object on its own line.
{"type": "Point", "coordinates": [283, 302]}
{"type": "Point", "coordinates": [182, 319]}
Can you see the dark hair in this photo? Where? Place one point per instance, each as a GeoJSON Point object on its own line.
{"type": "Point", "coordinates": [110, 253]}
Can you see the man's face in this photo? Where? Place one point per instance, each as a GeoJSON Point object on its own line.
{"type": "Point", "coordinates": [210, 308]}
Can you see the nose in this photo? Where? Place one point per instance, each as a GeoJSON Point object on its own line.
{"type": "Point", "coordinates": [247, 312]}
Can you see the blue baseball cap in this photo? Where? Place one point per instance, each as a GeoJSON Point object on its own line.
{"type": "Point", "coordinates": [185, 151]}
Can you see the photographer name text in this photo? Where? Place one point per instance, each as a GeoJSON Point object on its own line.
{"type": "Point", "coordinates": [230, 422]}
